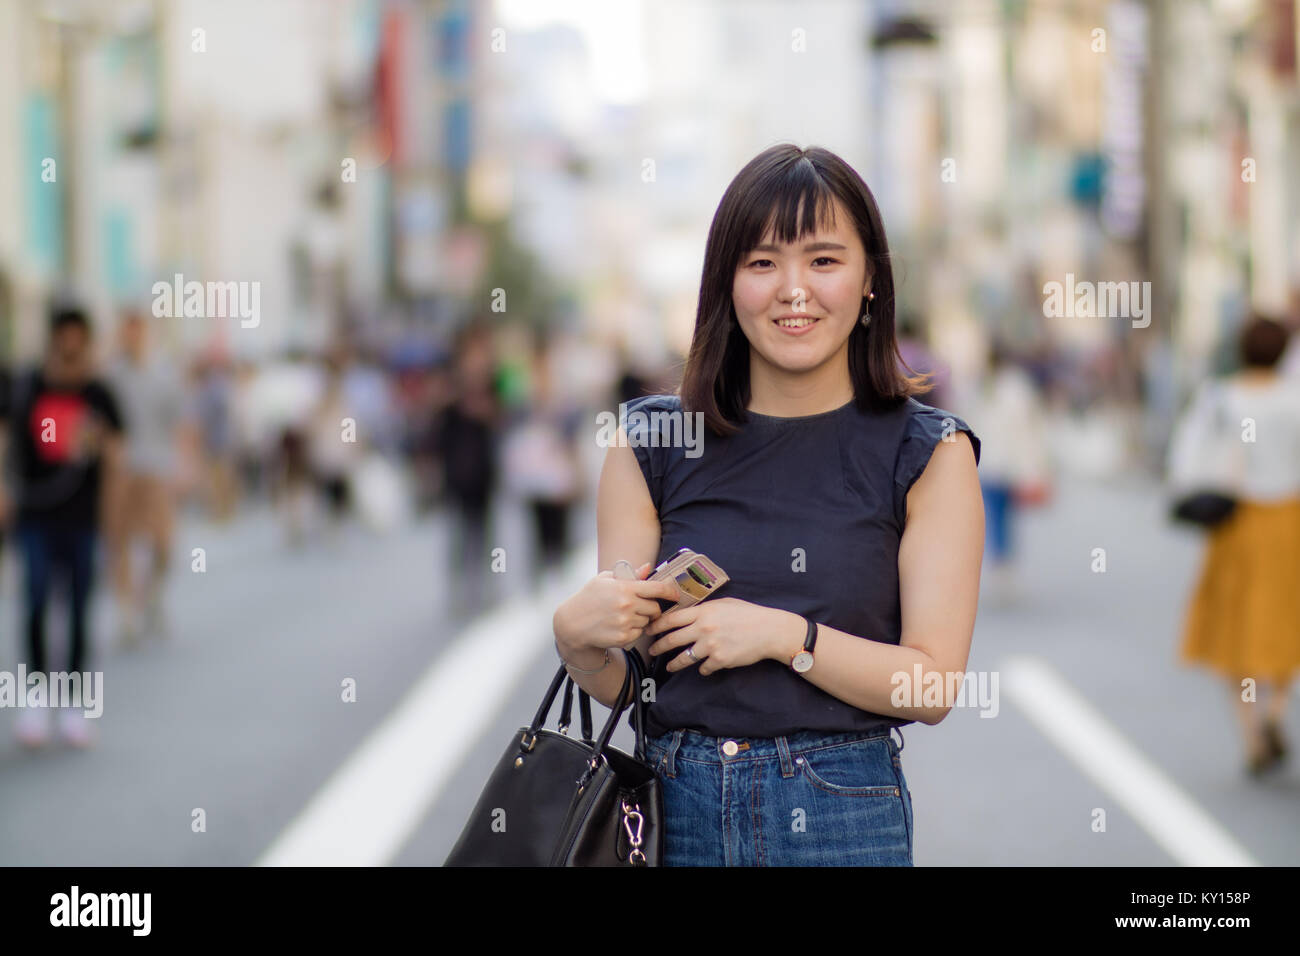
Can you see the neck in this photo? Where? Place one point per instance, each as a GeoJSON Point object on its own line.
{"type": "Point", "coordinates": [793, 395]}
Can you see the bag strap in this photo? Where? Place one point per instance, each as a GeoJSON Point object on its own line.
{"type": "Point", "coordinates": [540, 717]}
{"type": "Point", "coordinates": [561, 675]}
{"type": "Point", "coordinates": [584, 711]}
{"type": "Point", "coordinates": [598, 752]}
{"type": "Point", "coordinates": [638, 705]}
{"type": "Point", "coordinates": [628, 693]}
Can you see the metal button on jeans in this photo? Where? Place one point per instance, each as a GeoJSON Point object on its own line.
{"type": "Point", "coordinates": [730, 748]}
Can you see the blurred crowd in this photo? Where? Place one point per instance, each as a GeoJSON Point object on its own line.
{"type": "Point", "coordinates": [106, 444]}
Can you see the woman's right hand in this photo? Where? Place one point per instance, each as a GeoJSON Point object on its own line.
{"type": "Point", "coordinates": [610, 611]}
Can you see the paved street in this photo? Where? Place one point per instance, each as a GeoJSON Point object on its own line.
{"type": "Point", "coordinates": [241, 714]}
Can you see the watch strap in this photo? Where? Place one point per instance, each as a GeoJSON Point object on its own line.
{"type": "Point", "coordinates": [811, 639]}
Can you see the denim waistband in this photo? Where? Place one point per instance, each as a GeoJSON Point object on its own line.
{"type": "Point", "coordinates": [692, 745]}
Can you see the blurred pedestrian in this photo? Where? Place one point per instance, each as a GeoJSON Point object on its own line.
{"type": "Point", "coordinates": [542, 466]}
{"type": "Point", "coordinates": [152, 398]}
{"type": "Point", "coordinates": [251, 451]}
{"type": "Point", "coordinates": [1243, 618]}
{"type": "Point", "coordinates": [66, 449]}
{"type": "Point", "coordinates": [465, 438]}
{"type": "Point", "coordinates": [332, 444]}
{"type": "Point", "coordinates": [294, 482]}
{"type": "Point", "coordinates": [1013, 469]}
{"type": "Point", "coordinates": [214, 415]}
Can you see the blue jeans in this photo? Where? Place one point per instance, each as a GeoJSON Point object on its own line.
{"type": "Point", "coordinates": [999, 510]}
{"type": "Point", "coordinates": [807, 799]}
{"type": "Point", "coordinates": [52, 550]}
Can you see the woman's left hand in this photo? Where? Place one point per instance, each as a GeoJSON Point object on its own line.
{"type": "Point", "coordinates": [724, 632]}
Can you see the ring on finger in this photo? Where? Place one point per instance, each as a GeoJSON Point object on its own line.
{"type": "Point", "coordinates": [690, 652]}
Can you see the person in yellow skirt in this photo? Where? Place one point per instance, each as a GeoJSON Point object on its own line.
{"type": "Point", "coordinates": [1243, 619]}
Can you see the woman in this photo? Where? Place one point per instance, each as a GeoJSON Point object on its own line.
{"type": "Point", "coordinates": [1243, 620]}
{"type": "Point", "coordinates": [1006, 405]}
{"type": "Point", "coordinates": [846, 513]}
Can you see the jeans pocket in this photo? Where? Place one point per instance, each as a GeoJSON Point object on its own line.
{"type": "Point", "coordinates": [857, 769]}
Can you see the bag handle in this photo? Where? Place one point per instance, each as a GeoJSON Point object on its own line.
{"type": "Point", "coordinates": [638, 705]}
{"type": "Point", "coordinates": [584, 711]}
{"type": "Point", "coordinates": [638, 709]}
{"type": "Point", "coordinates": [529, 736]}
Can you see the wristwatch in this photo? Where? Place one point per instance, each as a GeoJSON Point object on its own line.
{"type": "Point", "coordinates": [803, 661]}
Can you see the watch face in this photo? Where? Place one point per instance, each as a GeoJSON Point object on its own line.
{"type": "Point", "coordinates": [802, 661]}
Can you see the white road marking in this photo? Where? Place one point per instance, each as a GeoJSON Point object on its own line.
{"type": "Point", "coordinates": [1185, 831]}
{"type": "Point", "coordinates": [368, 810]}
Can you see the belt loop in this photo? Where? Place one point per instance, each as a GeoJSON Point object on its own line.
{"type": "Point", "coordinates": [900, 737]}
{"type": "Point", "coordinates": [670, 765]}
{"type": "Point", "coordinates": [783, 748]}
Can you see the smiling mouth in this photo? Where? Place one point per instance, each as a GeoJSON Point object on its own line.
{"type": "Point", "coordinates": [795, 323]}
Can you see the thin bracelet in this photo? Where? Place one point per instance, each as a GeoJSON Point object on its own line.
{"type": "Point", "coordinates": [581, 670]}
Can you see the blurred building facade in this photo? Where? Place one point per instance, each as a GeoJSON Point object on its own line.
{"type": "Point", "coordinates": [402, 164]}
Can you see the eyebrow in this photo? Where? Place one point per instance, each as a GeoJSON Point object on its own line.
{"type": "Point", "coordinates": [811, 247]}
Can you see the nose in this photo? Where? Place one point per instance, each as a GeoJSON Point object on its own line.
{"type": "Point", "coordinates": [794, 283]}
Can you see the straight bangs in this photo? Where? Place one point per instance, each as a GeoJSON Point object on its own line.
{"type": "Point", "coordinates": [801, 204]}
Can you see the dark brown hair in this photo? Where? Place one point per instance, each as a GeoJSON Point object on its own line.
{"type": "Point", "coordinates": [1262, 341]}
{"type": "Point", "coordinates": [771, 188]}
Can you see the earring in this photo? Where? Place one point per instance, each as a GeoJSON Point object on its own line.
{"type": "Point", "coordinates": [866, 317]}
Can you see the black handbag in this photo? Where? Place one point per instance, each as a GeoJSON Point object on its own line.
{"type": "Point", "coordinates": [1207, 509]}
{"type": "Point", "coordinates": [1207, 457]}
{"type": "Point", "coordinates": [556, 801]}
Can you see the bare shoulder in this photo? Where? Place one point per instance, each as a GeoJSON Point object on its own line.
{"type": "Point", "coordinates": [621, 476]}
{"type": "Point", "coordinates": [950, 480]}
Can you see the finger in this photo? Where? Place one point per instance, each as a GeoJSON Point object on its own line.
{"type": "Point", "coordinates": [639, 621]}
{"type": "Point", "coordinates": [647, 610]}
{"type": "Point", "coordinates": [683, 661]}
{"type": "Point", "coordinates": [667, 590]}
{"type": "Point", "coordinates": [673, 639]}
{"type": "Point", "coordinates": [667, 621]}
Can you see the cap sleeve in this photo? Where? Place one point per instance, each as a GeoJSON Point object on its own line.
{"type": "Point", "coordinates": [926, 427]}
{"type": "Point", "coordinates": [641, 424]}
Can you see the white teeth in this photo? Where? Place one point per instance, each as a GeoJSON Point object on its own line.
{"type": "Point", "coordinates": [795, 323]}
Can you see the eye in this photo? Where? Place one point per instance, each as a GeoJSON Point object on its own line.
{"type": "Point", "coordinates": [815, 261]}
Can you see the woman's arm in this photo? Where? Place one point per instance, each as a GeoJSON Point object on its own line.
{"type": "Point", "coordinates": [627, 528]}
{"type": "Point", "coordinates": [939, 561]}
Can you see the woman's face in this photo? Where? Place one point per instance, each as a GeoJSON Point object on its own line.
{"type": "Point", "coordinates": [823, 275]}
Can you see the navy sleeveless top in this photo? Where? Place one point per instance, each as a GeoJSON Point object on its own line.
{"type": "Point", "coordinates": [804, 514]}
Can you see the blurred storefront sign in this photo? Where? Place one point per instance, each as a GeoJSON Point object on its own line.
{"type": "Point", "coordinates": [1123, 121]}
{"type": "Point", "coordinates": [44, 206]}
{"type": "Point", "coordinates": [419, 219]}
